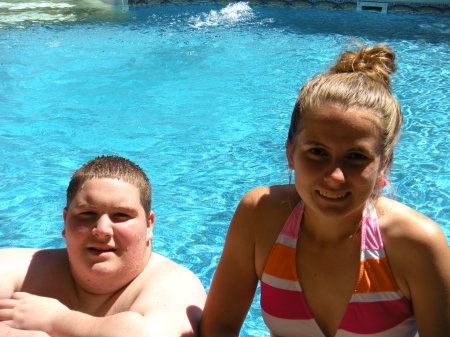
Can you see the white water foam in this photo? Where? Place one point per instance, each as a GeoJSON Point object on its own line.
{"type": "Point", "coordinates": [232, 14]}
{"type": "Point", "coordinates": [441, 28]}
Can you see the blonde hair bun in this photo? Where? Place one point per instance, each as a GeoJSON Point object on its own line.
{"type": "Point", "coordinates": [376, 62]}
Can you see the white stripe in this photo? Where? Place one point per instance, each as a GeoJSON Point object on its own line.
{"type": "Point", "coordinates": [405, 329]}
{"type": "Point", "coordinates": [287, 241]}
{"type": "Point", "coordinates": [368, 254]}
{"type": "Point", "coordinates": [291, 327]}
{"type": "Point", "coordinates": [280, 283]}
{"type": "Point", "coordinates": [375, 297]}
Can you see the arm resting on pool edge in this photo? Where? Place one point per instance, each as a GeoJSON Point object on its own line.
{"type": "Point", "coordinates": [25, 313]}
{"type": "Point", "coordinates": [30, 312]}
{"type": "Point", "coordinates": [7, 331]}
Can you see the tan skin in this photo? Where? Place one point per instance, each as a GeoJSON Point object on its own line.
{"type": "Point", "coordinates": [337, 165]}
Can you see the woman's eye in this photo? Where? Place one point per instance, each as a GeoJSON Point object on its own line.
{"type": "Point", "coordinates": [357, 156]}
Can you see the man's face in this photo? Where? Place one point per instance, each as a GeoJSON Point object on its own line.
{"type": "Point", "coordinates": [108, 234]}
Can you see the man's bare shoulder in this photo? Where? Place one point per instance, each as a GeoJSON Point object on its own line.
{"type": "Point", "coordinates": [19, 267]}
{"type": "Point", "coordinates": [162, 271]}
{"type": "Point", "coordinates": [169, 294]}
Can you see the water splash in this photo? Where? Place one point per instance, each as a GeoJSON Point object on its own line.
{"type": "Point", "coordinates": [232, 14]}
{"type": "Point", "coordinates": [440, 28]}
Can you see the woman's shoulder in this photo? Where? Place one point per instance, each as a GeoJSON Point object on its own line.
{"type": "Point", "coordinates": [399, 221]}
{"type": "Point", "coordinates": [267, 204]}
{"type": "Point", "coordinates": [418, 256]}
{"type": "Point", "coordinates": [264, 209]}
{"type": "Point", "coordinates": [411, 239]}
{"type": "Point", "coordinates": [270, 196]}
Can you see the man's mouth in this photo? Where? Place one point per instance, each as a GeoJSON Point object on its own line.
{"type": "Point", "coordinates": [101, 250]}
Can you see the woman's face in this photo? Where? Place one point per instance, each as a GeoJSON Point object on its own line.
{"type": "Point", "coordinates": [336, 157]}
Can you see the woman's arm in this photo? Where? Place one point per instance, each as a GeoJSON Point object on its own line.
{"type": "Point", "coordinates": [418, 251]}
{"type": "Point", "coordinates": [234, 283]}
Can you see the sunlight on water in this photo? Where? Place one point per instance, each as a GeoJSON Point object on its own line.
{"type": "Point", "coordinates": [233, 13]}
{"type": "Point", "coordinates": [199, 96]}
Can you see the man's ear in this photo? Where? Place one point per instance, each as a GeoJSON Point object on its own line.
{"type": "Point", "coordinates": [63, 233]}
{"type": "Point", "coordinates": [150, 224]}
{"type": "Point", "coordinates": [289, 154]}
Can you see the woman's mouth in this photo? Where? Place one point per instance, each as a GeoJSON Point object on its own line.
{"type": "Point", "coordinates": [333, 195]}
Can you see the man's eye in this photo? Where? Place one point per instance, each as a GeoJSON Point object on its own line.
{"type": "Point", "coordinates": [121, 216]}
{"type": "Point", "coordinates": [87, 214]}
{"type": "Point", "coordinates": [317, 152]}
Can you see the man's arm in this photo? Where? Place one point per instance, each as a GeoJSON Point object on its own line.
{"type": "Point", "coordinates": [6, 331]}
{"type": "Point", "coordinates": [170, 306]}
{"type": "Point", "coordinates": [25, 313]}
{"type": "Point", "coordinates": [14, 264]}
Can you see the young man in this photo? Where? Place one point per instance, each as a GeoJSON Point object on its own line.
{"type": "Point", "coordinates": [107, 282]}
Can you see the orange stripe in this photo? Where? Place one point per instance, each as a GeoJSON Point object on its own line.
{"type": "Point", "coordinates": [376, 277]}
{"type": "Point", "coordinates": [281, 263]}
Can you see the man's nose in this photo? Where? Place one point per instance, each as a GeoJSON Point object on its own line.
{"type": "Point", "coordinates": [103, 227]}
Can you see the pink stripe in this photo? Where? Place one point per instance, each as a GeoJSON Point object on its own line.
{"type": "Point", "coordinates": [281, 303]}
{"type": "Point", "coordinates": [290, 228]}
{"type": "Point", "coordinates": [372, 237]}
{"type": "Point", "coordinates": [375, 317]}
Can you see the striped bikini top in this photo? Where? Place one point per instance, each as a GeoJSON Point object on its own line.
{"type": "Point", "coordinates": [377, 306]}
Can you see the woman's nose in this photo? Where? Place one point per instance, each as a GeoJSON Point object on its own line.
{"type": "Point", "coordinates": [336, 174]}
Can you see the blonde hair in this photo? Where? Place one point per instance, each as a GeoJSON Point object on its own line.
{"type": "Point", "coordinates": [359, 78]}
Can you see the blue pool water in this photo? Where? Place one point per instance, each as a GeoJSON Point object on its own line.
{"type": "Point", "coordinates": [200, 96]}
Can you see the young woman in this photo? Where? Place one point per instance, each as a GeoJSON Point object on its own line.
{"type": "Point", "coordinates": [333, 256]}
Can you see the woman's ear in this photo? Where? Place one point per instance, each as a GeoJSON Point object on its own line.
{"type": "Point", "coordinates": [381, 182]}
{"type": "Point", "coordinates": [381, 179]}
{"type": "Point", "coordinates": [289, 154]}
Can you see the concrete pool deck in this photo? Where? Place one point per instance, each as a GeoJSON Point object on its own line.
{"type": "Point", "coordinates": [385, 6]}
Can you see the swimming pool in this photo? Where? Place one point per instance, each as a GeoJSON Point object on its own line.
{"type": "Point", "coordinates": [200, 96]}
